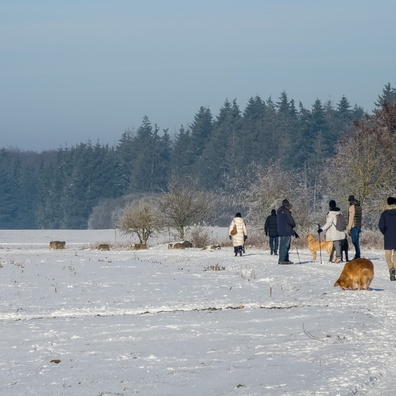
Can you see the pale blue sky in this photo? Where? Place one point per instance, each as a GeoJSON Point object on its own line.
{"type": "Point", "coordinates": [87, 70]}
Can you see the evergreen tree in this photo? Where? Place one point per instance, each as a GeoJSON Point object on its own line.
{"type": "Point", "coordinates": [27, 193]}
{"type": "Point", "coordinates": [124, 154]}
{"type": "Point", "coordinates": [8, 192]}
{"type": "Point", "coordinates": [182, 156]}
{"type": "Point", "coordinates": [201, 130]}
{"type": "Point", "coordinates": [255, 143]}
{"type": "Point", "coordinates": [220, 155]}
{"type": "Point", "coordinates": [285, 128]}
{"type": "Point", "coordinates": [388, 96]}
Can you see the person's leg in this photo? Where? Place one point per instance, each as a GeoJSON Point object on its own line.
{"type": "Point", "coordinates": [355, 235]}
{"type": "Point", "coordinates": [276, 239]}
{"type": "Point", "coordinates": [282, 249]}
{"type": "Point", "coordinates": [389, 261]}
{"type": "Point", "coordinates": [337, 247]}
{"type": "Point", "coordinates": [288, 248]}
{"type": "Point", "coordinates": [393, 258]}
{"type": "Point", "coordinates": [359, 230]}
{"type": "Point", "coordinates": [271, 243]}
{"type": "Point", "coordinates": [388, 258]}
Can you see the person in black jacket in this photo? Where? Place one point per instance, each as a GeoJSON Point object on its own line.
{"type": "Point", "coordinates": [285, 224]}
{"type": "Point", "coordinates": [271, 230]}
{"type": "Point", "coordinates": [387, 225]}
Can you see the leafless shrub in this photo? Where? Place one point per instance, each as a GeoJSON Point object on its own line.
{"type": "Point", "coordinates": [200, 236]}
{"type": "Point", "coordinates": [245, 272]}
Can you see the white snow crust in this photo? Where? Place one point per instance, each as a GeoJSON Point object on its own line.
{"type": "Point", "coordinates": [85, 322]}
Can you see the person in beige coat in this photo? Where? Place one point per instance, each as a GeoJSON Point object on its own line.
{"type": "Point", "coordinates": [239, 238]}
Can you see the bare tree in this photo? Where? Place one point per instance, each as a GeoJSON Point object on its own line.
{"type": "Point", "coordinates": [365, 161]}
{"type": "Point", "coordinates": [184, 205]}
{"type": "Point", "coordinates": [271, 186]}
{"type": "Point", "coordinates": [142, 218]}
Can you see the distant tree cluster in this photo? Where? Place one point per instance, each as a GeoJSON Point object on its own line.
{"type": "Point", "coordinates": [247, 158]}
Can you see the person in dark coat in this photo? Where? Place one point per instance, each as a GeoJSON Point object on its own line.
{"type": "Point", "coordinates": [271, 230]}
{"type": "Point", "coordinates": [387, 225]}
{"type": "Point", "coordinates": [285, 224]}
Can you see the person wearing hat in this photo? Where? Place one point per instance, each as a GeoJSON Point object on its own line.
{"type": "Point", "coordinates": [332, 234]}
{"type": "Point", "coordinates": [354, 226]}
{"type": "Point", "coordinates": [387, 225]}
{"type": "Point", "coordinates": [285, 225]}
{"type": "Point", "coordinates": [271, 230]}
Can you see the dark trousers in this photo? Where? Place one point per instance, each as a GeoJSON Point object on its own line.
{"type": "Point", "coordinates": [273, 242]}
{"type": "Point", "coordinates": [355, 235]}
{"type": "Point", "coordinates": [284, 248]}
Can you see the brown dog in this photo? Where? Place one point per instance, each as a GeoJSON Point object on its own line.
{"type": "Point", "coordinates": [358, 272]}
{"type": "Point", "coordinates": [315, 246]}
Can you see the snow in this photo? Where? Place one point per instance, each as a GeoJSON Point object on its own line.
{"type": "Point", "coordinates": [166, 322]}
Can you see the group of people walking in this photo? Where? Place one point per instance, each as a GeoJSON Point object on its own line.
{"type": "Point", "coordinates": [280, 228]}
{"type": "Point", "coordinates": [280, 225]}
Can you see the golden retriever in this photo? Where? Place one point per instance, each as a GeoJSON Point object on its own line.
{"type": "Point", "coordinates": [358, 272]}
{"type": "Point", "coordinates": [315, 246]}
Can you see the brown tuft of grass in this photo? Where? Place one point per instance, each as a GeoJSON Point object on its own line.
{"type": "Point", "coordinates": [216, 267]}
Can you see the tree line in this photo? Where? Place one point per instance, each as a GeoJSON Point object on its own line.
{"type": "Point", "coordinates": [229, 155]}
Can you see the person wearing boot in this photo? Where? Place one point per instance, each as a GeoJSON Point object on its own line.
{"type": "Point", "coordinates": [387, 225]}
{"type": "Point", "coordinates": [271, 230]}
{"type": "Point", "coordinates": [238, 234]}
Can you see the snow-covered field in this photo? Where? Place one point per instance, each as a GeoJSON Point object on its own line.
{"type": "Point", "coordinates": [187, 322]}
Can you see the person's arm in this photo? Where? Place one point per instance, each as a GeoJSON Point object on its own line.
{"type": "Point", "coordinates": [329, 222]}
{"type": "Point", "coordinates": [381, 224]}
{"type": "Point", "coordinates": [290, 220]}
{"type": "Point", "coordinates": [231, 227]}
{"type": "Point", "coordinates": [351, 218]}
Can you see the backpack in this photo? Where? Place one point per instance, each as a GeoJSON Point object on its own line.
{"type": "Point", "coordinates": [341, 223]}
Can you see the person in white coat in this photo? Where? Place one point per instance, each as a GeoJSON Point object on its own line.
{"type": "Point", "coordinates": [238, 234]}
{"type": "Point", "coordinates": [332, 234]}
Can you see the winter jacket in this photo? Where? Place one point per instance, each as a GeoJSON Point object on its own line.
{"type": "Point", "coordinates": [387, 225]}
{"type": "Point", "coordinates": [270, 226]}
{"type": "Point", "coordinates": [285, 222]}
{"type": "Point", "coordinates": [332, 234]}
{"type": "Point", "coordinates": [239, 238]}
{"type": "Point", "coordinates": [354, 215]}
